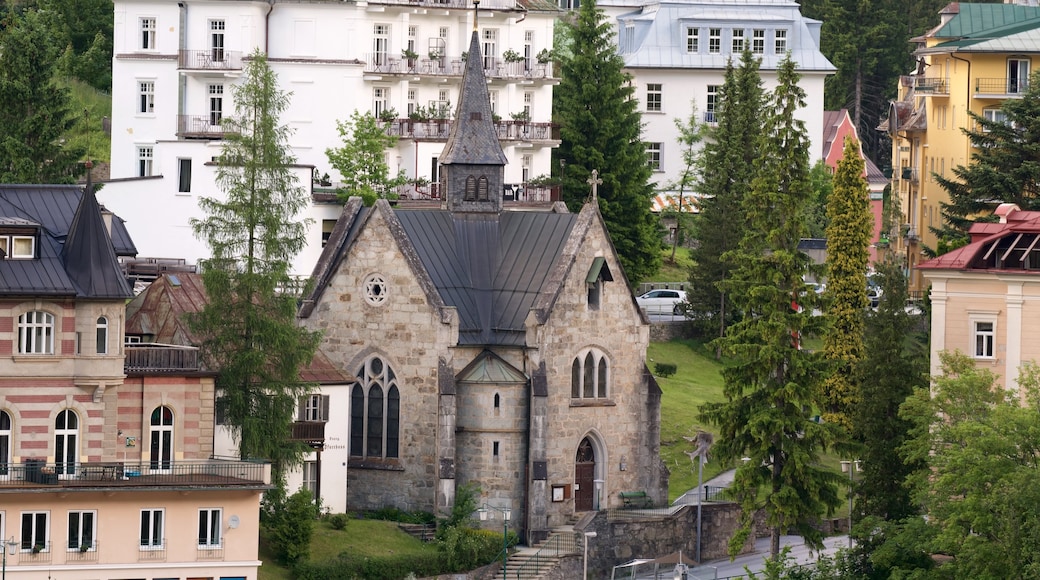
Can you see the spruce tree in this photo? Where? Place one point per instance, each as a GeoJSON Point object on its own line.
{"type": "Point", "coordinates": [248, 326]}
{"type": "Point", "coordinates": [771, 384]}
{"type": "Point", "coordinates": [35, 111]}
{"type": "Point", "coordinates": [848, 237]}
{"type": "Point", "coordinates": [600, 129]}
{"type": "Point", "coordinates": [727, 168]}
{"type": "Point", "coordinates": [1004, 167]}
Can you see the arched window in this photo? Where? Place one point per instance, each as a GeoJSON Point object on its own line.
{"type": "Point", "coordinates": [482, 188]}
{"type": "Point", "coordinates": [66, 442]}
{"type": "Point", "coordinates": [590, 375]}
{"type": "Point", "coordinates": [161, 425]}
{"type": "Point", "coordinates": [375, 412]}
{"type": "Point", "coordinates": [471, 189]}
{"type": "Point", "coordinates": [36, 333]}
{"type": "Point", "coordinates": [5, 442]}
{"type": "Point", "coordinates": [102, 335]}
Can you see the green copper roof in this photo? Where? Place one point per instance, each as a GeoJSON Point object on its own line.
{"type": "Point", "coordinates": [974, 19]}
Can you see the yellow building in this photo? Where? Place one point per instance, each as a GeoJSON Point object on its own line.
{"type": "Point", "coordinates": [976, 58]}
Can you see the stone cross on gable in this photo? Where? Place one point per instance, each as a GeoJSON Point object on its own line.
{"type": "Point", "coordinates": [595, 182]}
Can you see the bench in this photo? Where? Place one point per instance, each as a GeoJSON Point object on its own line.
{"type": "Point", "coordinates": [636, 499]}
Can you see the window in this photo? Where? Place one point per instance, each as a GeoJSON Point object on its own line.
{"type": "Point", "coordinates": [528, 103]}
{"type": "Point", "coordinates": [161, 440]}
{"type": "Point", "coordinates": [1018, 76]}
{"type": "Point", "coordinates": [738, 40]}
{"type": "Point", "coordinates": [758, 41]}
{"type": "Point", "coordinates": [379, 100]}
{"type": "Point", "coordinates": [102, 335]}
{"type": "Point", "coordinates": [714, 40]}
{"type": "Point", "coordinates": [693, 39]}
{"type": "Point", "coordinates": [653, 97]}
{"type": "Point", "coordinates": [147, 33]}
{"type": "Point", "coordinates": [17, 247]}
{"type": "Point", "coordinates": [151, 529]}
{"type": "Point", "coordinates": [490, 48]}
{"type": "Point", "coordinates": [146, 92]}
{"type": "Point", "coordinates": [216, 40]}
{"type": "Point", "coordinates": [984, 333]}
{"type": "Point", "coordinates": [375, 409]}
{"type": "Point", "coordinates": [310, 477]}
{"type": "Point", "coordinates": [34, 531]}
{"type": "Point", "coordinates": [216, 104]}
{"type": "Point", "coordinates": [144, 160]}
{"type": "Point", "coordinates": [66, 442]}
{"type": "Point", "coordinates": [315, 407]}
{"type": "Point", "coordinates": [525, 167]}
{"type": "Point", "coordinates": [5, 443]}
{"type": "Point", "coordinates": [590, 375]}
{"type": "Point", "coordinates": [36, 333]}
{"type": "Point", "coordinates": [412, 105]}
{"type": "Point", "coordinates": [711, 102]}
{"type": "Point", "coordinates": [570, 4]}
{"type": "Point", "coordinates": [653, 156]}
{"type": "Point", "coordinates": [380, 44]}
{"type": "Point", "coordinates": [779, 41]}
{"type": "Point", "coordinates": [209, 528]}
{"type": "Point", "coordinates": [184, 175]}
{"type": "Point", "coordinates": [493, 99]}
{"type": "Point", "coordinates": [81, 531]}
{"type": "Point", "coordinates": [528, 50]}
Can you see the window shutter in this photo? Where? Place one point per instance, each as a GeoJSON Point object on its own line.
{"type": "Point", "coordinates": [324, 408]}
{"type": "Point", "coordinates": [301, 409]}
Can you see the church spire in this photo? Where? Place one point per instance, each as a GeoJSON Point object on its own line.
{"type": "Point", "coordinates": [473, 159]}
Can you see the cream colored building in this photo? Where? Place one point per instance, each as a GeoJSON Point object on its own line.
{"type": "Point", "coordinates": [986, 295]}
{"type": "Point", "coordinates": [978, 56]}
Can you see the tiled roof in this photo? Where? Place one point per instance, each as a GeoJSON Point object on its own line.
{"type": "Point", "coordinates": [999, 246]}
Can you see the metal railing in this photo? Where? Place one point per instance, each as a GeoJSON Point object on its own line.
{"type": "Point", "coordinates": [460, 4]}
{"type": "Point", "coordinates": [444, 66]}
{"type": "Point", "coordinates": [211, 59]}
{"type": "Point", "coordinates": [1002, 86]}
{"type": "Point", "coordinates": [209, 553]}
{"type": "Point", "coordinates": [438, 129]}
{"type": "Point", "coordinates": [217, 473]}
{"type": "Point", "coordinates": [34, 553]}
{"type": "Point", "coordinates": [81, 552]}
{"type": "Point", "coordinates": [546, 556]}
{"type": "Point", "coordinates": [152, 551]}
{"type": "Point", "coordinates": [200, 126]}
{"type": "Point", "coordinates": [932, 85]}
{"type": "Point", "coordinates": [158, 358]}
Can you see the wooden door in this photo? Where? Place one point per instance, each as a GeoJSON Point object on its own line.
{"type": "Point", "coordinates": [584, 476]}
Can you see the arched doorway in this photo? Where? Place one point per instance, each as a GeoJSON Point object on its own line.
{"type": "Point", "coordinates": [584, 476]}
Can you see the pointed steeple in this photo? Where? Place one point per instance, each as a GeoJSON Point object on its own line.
{"type": "Point", "coordinates": [89, 259]}
{"type": "Point", "coordinates": [473, 159]}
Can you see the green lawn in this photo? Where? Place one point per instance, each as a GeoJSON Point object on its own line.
{"type": "Point", "coordinates": [674, 272]}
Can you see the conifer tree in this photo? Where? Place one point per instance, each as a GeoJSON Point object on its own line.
{"type": "Point", "coordinates": [35, 112]}
{"type": "Point", "coordinates": [848, 237]}
{"type": "Point", "coordinates": [771, 384]}
{"type": "Point", "coordinates": [248, 326]}
{"type": "Point", "coordinates": [727, 164]}
{"type": "Point", "coordinates": [600, 129]}
{"type": "Point", "coordinates": [1004, 167]}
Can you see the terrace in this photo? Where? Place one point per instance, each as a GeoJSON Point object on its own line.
{"type": "Point", "coordinates": [35, 475]}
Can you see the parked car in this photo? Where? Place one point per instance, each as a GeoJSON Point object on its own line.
{"type": "Point", "coordinates": [664, 301]}
{"type": "Point", "coordinates": [873, 292]}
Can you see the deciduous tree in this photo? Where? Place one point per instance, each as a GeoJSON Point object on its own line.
{"type": "Point", "coordinates": [771, 385]}
{"type": "Point", "coordinates": [691, 133]}
{"type": "Point", "coordinates": [248, 326]}
{"type": "Point", "coordinates": [361, 160]}
{"type": "Point", "coordinates": [600, 128]}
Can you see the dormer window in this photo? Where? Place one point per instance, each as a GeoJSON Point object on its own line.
{"type": "Point", "coordinates": [598, 273]}
{"type": "Point", "coordinates": [17, 246]}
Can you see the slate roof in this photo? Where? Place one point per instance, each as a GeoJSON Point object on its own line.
{"type": "Point", "coordinates": [75, 256]}
{"type": "Point", "coordinates": [473, 139]}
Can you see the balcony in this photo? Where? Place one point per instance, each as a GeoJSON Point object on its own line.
{"type": "Point", "coordinates": [1000, 88]}
{"type": "Point", "coordinates": [931, 86]}
{"type": "Point", "coordinates": [910, 174]}
{"type": "Point", "coordinates": [199, 126]}
{"type": "Point", "coordinates": [381, 63]}
{"type": "Point", "coordinates": [310, 433]}
{"type": "Point", "coordinates": [155, 358]}
{"type": "Point", "coordinates": [214, 59]}
{"type": "Point", "coordinates": [710, 118]}
{"type": "Point", "coordinates": [442, 4]}
{"type": "Point", "coordinates": [35, 475]}
{"type": "Point", "coordinates": [512, 192]}
{"type": "Point", "coordinates": [437, 130]}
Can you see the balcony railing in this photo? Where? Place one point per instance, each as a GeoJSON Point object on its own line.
{"type": "Point", "coordinates": [932, 85]}
{"type": "Point", "coordinates": [309, 432]}
{"type": "Point", "coordinates": [710, 118]}
{"type": "Point", "coordinates": [36, 474]}
{"type": "Point", "coordinates": [910, 174]}
{"type": "Point", "coordinates": [200, 126]}
{"type": "Point", "coordinates": [87, 552]}
{"type": "Point", "coordinates": [216, 59]}
{"type": "Point", "coordinates": [160, 358]}
{"type": "Point", "coordinates": [435, 130]}
{"type": "Point", "coordinates": [1001, 86]}
{"type": "Point", "coordinates": [460, 4]}
{"type": "Point", "coordinates": [494, 68]}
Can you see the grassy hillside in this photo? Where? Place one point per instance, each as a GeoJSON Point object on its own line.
{"type": "Point", "coordinates": [90, 107]}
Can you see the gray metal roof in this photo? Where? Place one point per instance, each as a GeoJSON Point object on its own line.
{"type": "Point", "coordinates": [490, 267]}
{"type": "Point", "coordinates": [73, 255]}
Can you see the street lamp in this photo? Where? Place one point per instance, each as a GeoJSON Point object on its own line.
{"type": "Point", "coordinates": [484, 513]}
{"type": "Point", "coordinates": [9, 546]}
{"type": "Point", "coordinates": [585, 558]}
{"type": "Point", "coordinates": [850, 467]}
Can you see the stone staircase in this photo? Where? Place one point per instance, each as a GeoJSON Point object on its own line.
{"type": "Point", "coordinates": [532, 562]}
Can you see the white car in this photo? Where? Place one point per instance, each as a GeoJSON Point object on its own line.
{"type": "Point", "coordinates": [663, 301]}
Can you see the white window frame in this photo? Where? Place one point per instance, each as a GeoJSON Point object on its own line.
{"type": "Point", "coordinates": [81, 528]}
{"type": "Point", "coordinates": [654, 156]}
{"type": "Point", "coordinates": [6, 447]}
{"type": "Point", "coordinates": [146, 539]}
{"type": "Point", "coordinates": [758, 41]}
{"type": "Point", "coordinates": [380, 100]}
{"type": "Point", "coordinates": [489, 46]}
{"type": "Point", "coordinates": [310, 477]}
{"type": "Point", "coordinates": [983, 351]}
{"type": "Point", "coordinates": [529, 103]}
{"type": "Point", "coordinates": [995, 115]}
{"type": "Point", "coordinates": [146, 97]}
{"type": "Point", "coordinates": [380, 43]}
{"type": "Point", "coordinates": [711, 103]}
{"type": "Point", "coordinates": [714, 40]}
{"type": "Point", "coordinates": [216, 27]}
{"type": "Point", "coordinates": [38, 539]}
{"type": "Point", "coordinates": [780, 41]}
{"type": "Point", "coordinates": [36, 332]}
{"type": "Point", "coordinates": [738, 37]}
{"type": "Point", "coordinates": [145, 160]}
{"type": "Point", "coordinates": [654, 97]}
{"type": "Point", "coordinates": [693, 40]}
{"type": "Point", "coordinates": [17, 247]}
{"type": "Point", "coordinates": [210, 522]}
{"type": "Point", "coordinates": [148, 26]}
{"type": "Point", "coordinates": [215, 93]}
{"type": "Point", "coordinates": [1019, 82]}
{"type": "Point", "coordinates": [312, 410]}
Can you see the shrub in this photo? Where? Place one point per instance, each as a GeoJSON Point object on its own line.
{"type": "Point", "coordinates": [338, 521]}
{"type": "Point", "coordinates": [289, 527]}
{"type": "Point", "coordinates": [389, 567]}
{"type": "Point", "coordinates": [469, 548]}
{"type": "Point", "coordinates": [665, 369]}
{"type": "Point", "coordinates": [393, 514]}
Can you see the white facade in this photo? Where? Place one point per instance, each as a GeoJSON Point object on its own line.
{"type": "Point", "coordinates": [677, 50]}
{"type": "Point", "coordinates": [176, 65]}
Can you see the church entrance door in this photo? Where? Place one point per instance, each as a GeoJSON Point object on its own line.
{"type": "Point", "coordinates": [584, 476]}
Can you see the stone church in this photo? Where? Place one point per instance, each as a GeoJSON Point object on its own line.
{"type": "Point", "coordinates": [494, 346]}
